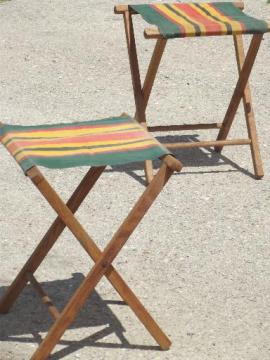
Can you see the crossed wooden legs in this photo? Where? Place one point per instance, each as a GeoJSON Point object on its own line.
{"type": "Point", "coordinates": [103, 260]}
{"type": "Point", "coordinates": [242, 91]}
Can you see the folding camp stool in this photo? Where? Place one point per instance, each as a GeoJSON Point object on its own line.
{"type": "Point", "coordinates": [113, 141]}
{"type": "Point", "coordinates": [178, 20]}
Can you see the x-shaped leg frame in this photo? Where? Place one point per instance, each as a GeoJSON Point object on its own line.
{"type": "Point", "coordinates": [103, 260]}
{"type": "Point", "coordinates": [242, 91]}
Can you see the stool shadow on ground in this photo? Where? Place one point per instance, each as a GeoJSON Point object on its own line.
{"type": "Point", "coordinates": [29, 317]}
{"type": "Point", "coordinates": [192, 157]}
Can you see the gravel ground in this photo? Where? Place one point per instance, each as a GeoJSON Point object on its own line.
{"type": "Point", "coordinates": [205, 277]}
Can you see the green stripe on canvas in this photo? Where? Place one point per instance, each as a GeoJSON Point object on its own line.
{"type": "Point", "coordinates": [166, 27]}
{"type": "Point", "coordinates": [97, 160]}
{"type": "Point", "coordinates": [253, 25]}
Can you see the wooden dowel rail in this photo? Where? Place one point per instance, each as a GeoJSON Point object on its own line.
{"type": "Point", "coordinates": [183, 145]}
{"type": "Point", "coordinates": [44, 297]}
{"type": "Point", "coordinates": [184, 127]}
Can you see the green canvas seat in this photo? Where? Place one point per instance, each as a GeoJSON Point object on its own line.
{"type": "Point", "coordinates": [176, 20]}
{"type": "Point", "coordinates": [112, 141]}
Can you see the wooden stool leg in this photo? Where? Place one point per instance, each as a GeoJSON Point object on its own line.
{"type": "Point", "coordinates": [136, 82]}
{"type": "Point", "coordinates": [152, 70]}
{"type": "Point", "coordinates": [141, 95]}
{"type": "Point", "coordinates": [103, 263]}
{"type": "Point", "coordinates": [249, 113]}
{"type": "Point", "coordinates": [149, 171]}
{"type": "Point", "coordinates": [48, 240]}
{"type": "Point", "coordinates": [134, 68]}
{"type": "Point", "coordinates": [147, 88]}
{"type": "Point", "coordinates": [240, 87]}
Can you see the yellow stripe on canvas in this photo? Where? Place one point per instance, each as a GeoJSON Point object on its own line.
{"type": "Point", "coordinates": [74, 145]}
{"type": "Point", "coordinates": [236, 25]}
{"type": "Point", "coordinates": [66, 133]}
{"type": "Point", "coordinates": [196, 21]}
{"type": "Point", "coordinates": [189, 29]}
{"type": "Point", "coordinates": [47, 153]}
{"type": "Point", "coordinates": [59, 139]}
{"type": "Point", "coordinates": [223, 26]}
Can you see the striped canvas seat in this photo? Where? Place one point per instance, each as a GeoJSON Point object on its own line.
{"type": "Point", "coordinates": [176, 20]}
{"type": "Point", "coordinates": [109, 141]}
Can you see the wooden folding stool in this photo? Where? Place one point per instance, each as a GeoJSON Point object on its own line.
{"type": "Point", "coordinates": [97, 143]}
{"type": "Point", "coordinates": [178, 20]}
